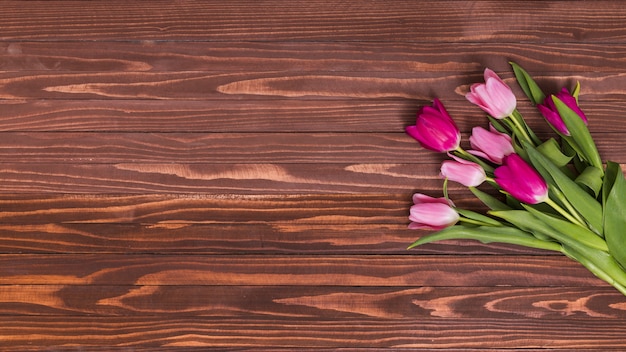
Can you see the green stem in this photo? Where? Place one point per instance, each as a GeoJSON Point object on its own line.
{"type": "Point", "coordinates": [568, 205]}
{"type": "Point", "coordinates": [563, 212]}
{"type": "Point", "coordinates": [445, 188]}
{"type": "Point", "coordinates": [521, 129]}
{"type": "Point", "coordinates": [467, 156]}
{"type": "Point", "coordinates": [474, 222]}
{"type": "Point", "coordinates": [604, 270]}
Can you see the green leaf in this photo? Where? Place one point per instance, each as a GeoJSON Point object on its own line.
{"type": "Point", "coordinates": [477, 217]}
{"type": "Point", "coordinates": [527, 221]}
{"type": "Point", "coordinates": [614, 217]}
{"type": "Point", "coordinates": [570, 149]}
{"type": "Point", "coordinates": [552, 151]}
{"type": "Point", "coordinates": [601, 264]}
{"type": "Point", "coordinates": [576, 91]}
{"type": "Point", "coordinates": [521, 123]}
{"type": "Point", "coordinates": [528, 84]}
{"type": "Point", "coordinates": [586, 205]}
{"type": "Point", "coordinates": [498, 126]}
{"type": "Point", "coordinates": [573, 231]}
{"type": "Point", "coordinates": [492, 202]}
{"type": "Point", "coordinates": [591, 178]}
{"type": "Point", "coordinates": [488, 234]}
{"type": "Point", "coordinates": [579, 133]}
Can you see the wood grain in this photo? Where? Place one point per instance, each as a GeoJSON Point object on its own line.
{"type": "Point", "coordinates": [247, 333]}
{"type": "Point", "coordinates": [268, 235]}
{"type": "Point", "coordinates": [318, 302]}
{"type": "Point", "coordinates": [204, 208]}
{"type": "Point", "coordinates": [407, 21]}
{"type": "Point", "coordinates": [274, 84]}
{"type": "Point", "coordinates": [386, 115]}
{"type": "Point", "coordinates": [363, 270]}
{"type": "Point", "coordinates": [334, 55]}
{"type": "Point", "coordinates": [235, 176]}
{"type": "Point", "coordinates": [373, 149]}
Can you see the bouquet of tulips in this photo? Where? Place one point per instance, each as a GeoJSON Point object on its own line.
{"type": "Point", "coordinates": [554, 195]}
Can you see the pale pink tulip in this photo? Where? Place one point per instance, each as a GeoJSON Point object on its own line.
{"type": "Point", "coordinates": [494, 96]}
{"type": "Point", "coordinates": [465, 172]}
{"type": "Point", "coordinates": [491, 145]}
{"type": "Point", "coordinates": [431, 213]}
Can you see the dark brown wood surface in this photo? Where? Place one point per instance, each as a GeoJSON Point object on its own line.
{"type": "Point", "coordinates": [234, 175]}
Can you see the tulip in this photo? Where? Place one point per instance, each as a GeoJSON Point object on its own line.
{"type": "Point", "coordinates": [491, 145]}
{"type": "Point", "coordinates": [494, 96]}
{"type": "Point", "coordinates": [551, 114]}
{"type": "Point", "coordinates": [465, 172]}
{"type": "Point", "coordinates": [434, 129]}
{"type": "Point", "coordinates": [520, 180]}
{"type": "Point", "coordinates": [432, 213]}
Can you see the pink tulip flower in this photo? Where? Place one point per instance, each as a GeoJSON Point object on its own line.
{"type": "Point", "coordinates": [494, 96]}
{"type": "Point", "coordinates": [432, 213]}
{"type": "Point", "coordinates": [491, 145]}
{"type": "Point", "coordinates": [520, 180]}
{"type": "Point", "coordinates": [551, 114]}
{"type": "Point", "coordinates": [434, 129]}
{"type": "Point", "coordinates": [465, 172]}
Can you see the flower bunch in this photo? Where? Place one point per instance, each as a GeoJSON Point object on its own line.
{"type": "Point", "coordinates": [556, 194]}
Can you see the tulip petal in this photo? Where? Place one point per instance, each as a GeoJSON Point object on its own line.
{"type": "Point", "coordinates": [433, 215]}
{"type": "Point", "coordinates": [419, 198]}
{"type": "Point", "coordinates": [494, 96]}
{"type": "Point", "coordinates": [501, 100]}
{"type": "Point", "coordinates": [466, 173]}
{"type": "Point", "coordinates": [491, 145]}
{"type": "Point", "coordinates": [434, 129]}
{"type": "Point", "coordinates": [520, 180]}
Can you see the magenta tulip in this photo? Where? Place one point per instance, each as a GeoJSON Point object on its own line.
{"type": "Point", "coordinates": [434, 129]}
{"type": "Point", "coordinates": [491, 145]}
{"type": "Point", "coordinates": [551, 114]}
{"type": "Point", "coordinates": [431, 213]}
{"type": "Point", "coordinates": [520, 180]}
{"type": "Point", "coordinates": [465, 172]}
{"type": "Point", "coordinates": [494, 96]}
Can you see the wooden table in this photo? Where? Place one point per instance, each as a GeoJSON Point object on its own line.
{"type": "Point", "coordinates": [235, 175]}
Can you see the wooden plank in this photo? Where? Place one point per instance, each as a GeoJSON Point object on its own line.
{"type": "Point", "coordinates": [243, 148]}
{"type": "Point", "coordinates": [208, 115]}
{"type": "Point", "coordinates": [407, 21]}
{"type": "Point", "coordinates": [263, 237]}
{"type": "Point", "coordinates": [320, 303]}
{"type": "Point", "coordinates": [238, 179]}
{"type": "Point", "coordinates": [205, 208]}
{"type": "Point", "coordinates": [301, 270]}
{"type": "Point", "coordinates": [348, 56]}
{"type": "Point", "coordinates": [214, 148]}
{"type": "Point", "coordinates": [215, 178]}
{"type": "Point", "coordinates": [277, 84]}
{"type": "Point", "coordinates": [386, 115]}
{"type": "Point", "coordinates": [244, 333]}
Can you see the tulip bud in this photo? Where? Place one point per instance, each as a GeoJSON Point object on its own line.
{"type": "Point", "coordinates": [491, 145]}
{"type": "Point", "coordinates": [431, 213]}
{"type": "Point", "coordinates": [551, 113]}
{"type": "Point", "coordinates": [434, 129]}
{"type": "Point", "coordinates": [520, 180]}
{"type": "Point", "coordinates": [465, 172]}
{"type": "Point", "coordinates": [494, 96]}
